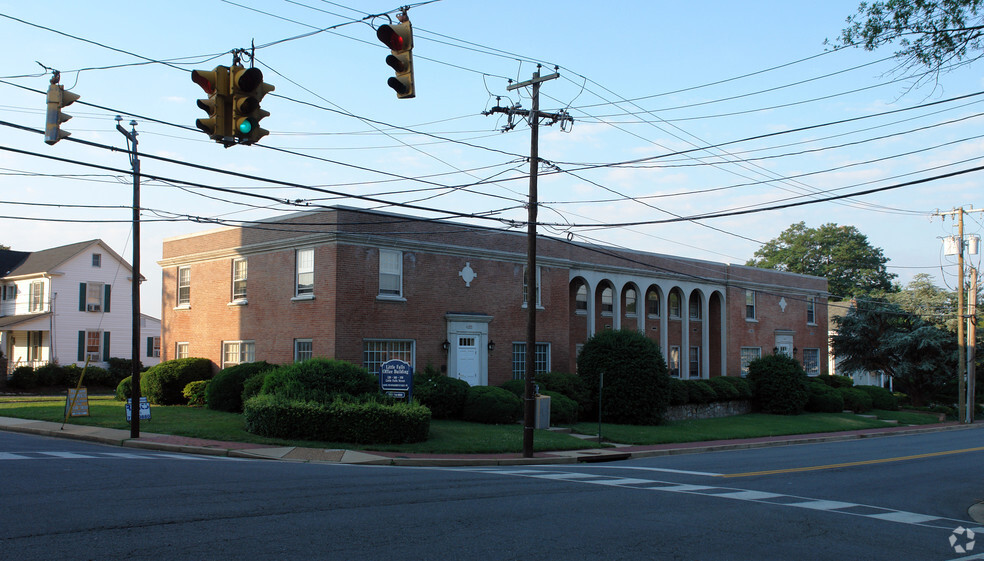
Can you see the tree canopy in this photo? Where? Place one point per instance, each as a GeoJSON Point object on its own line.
{"type": "Point", "coordinates": [931, 303]}
{"type": "Point", "coordinates": [842, 254]}
{"type": "Point", "coordinates": [935, 35]}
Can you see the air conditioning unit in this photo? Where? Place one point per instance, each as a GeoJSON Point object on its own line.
{"type": "Point", "coordinates": [93, 357]}
{"type": "Point", "coordinates": [93, 307]}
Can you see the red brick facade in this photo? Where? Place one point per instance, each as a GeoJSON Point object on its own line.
{"type": "Point", "coordinates": [456, 301]}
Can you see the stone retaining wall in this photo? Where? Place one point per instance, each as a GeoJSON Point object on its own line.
{"type": "Point", "coordinates": [707, 410]}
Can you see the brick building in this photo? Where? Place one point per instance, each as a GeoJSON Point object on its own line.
{"type": "Point", "coordinates": [366, 287]}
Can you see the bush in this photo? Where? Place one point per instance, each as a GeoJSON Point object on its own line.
{"type": "Point", "coordinates": [319, 379]}
{"type": "Point", "coordinates": [570, 385]}
{"type": "Point", "coordinates": [22, 378]}
{"type": "Point", "coordinates": [253, 385]}
{"type": "Point", "coordinates": [881, 398]}
{"type": "Point", "coordinates": [837, 381]}
{"type": "Point", "coordinates": [444, 396]}
{"type": "Point", "coordinates": [94, 376]}
{"type": "Point", "coordinates": [637, 385]}
{"type": "Point", "coordinates": [563, 410]}
{"type": "Point", "coordinates": [856, 400]}
{"type": "Point", "coordinates": [725, 390]}
{"type": "Point", "coordinates": [50, 375]}
{"type": "Point", "coordinates": [740, 384]}
{"type": "Point", "coordinates": [123, 389]}
{"type": "Point", "coordinates": [492, 405]}
{"type": "Point", "coordinates": [119, 368]}
{"type": "Point", "coordinates": [779, 384]}
{"type": "Point", "coordinates": [164, 383]}
{"type": "Point", "coordinates": [700, 392]}
{"type": "Point", "coordinates": [225, 393]}
{"type": "Point", "coordinates": [824, 399]}
{"type": "Point", "coordinates": [678, 392]}
{"type": "Point", "coordinates": [366, 422]}
{"type": "Point", "coordinates": [196, 392]}
{"type": "Point", "coordinates": [515, 387]}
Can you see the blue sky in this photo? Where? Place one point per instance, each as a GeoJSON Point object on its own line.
{"type": "Point", "coordinates": [642, 80]}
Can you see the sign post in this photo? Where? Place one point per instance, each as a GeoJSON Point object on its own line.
{"type": "Point", "coordinates": [396, 379]}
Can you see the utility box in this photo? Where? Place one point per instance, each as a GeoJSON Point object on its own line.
{"type": "Point", "coordinates": [542, 412]}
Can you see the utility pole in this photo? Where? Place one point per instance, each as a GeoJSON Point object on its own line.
{"type": "Point", "coordinates": [131, 139]}
{"type": "Point", "coordinates": [532, 283]}
{"type": "Point", "coordinates": [972, 345]}
{"type": "Point", "coordinates": [962, 381]}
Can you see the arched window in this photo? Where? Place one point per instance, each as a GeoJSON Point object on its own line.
{"type": "Point", "coordinates": [652, 303]}
{"type": "Point", "coordinates": [675, 304]}
{"type": "Point", "coordinates": [581, 298]}
{"type": "Point", "coordinates": [630, 302]}
{"type": "Point", "coordinates": [607, 300]}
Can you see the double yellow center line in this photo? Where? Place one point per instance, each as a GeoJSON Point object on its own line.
{"type": "Point", "coordinates": [851, 464]}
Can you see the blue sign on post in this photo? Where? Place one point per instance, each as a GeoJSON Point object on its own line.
{"type": "Point", "coordinates": [144, 409]}
{"type": "Point", "coordinates": [396, 379]}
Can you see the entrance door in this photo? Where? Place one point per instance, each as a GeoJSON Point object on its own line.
{"type": "Point", "coordinates": [784, 344]}
{"type": "Point", "coordinates": [468, 360]}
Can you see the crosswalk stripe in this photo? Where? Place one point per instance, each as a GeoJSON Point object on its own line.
{"type": "Point", "coordinates": [11, 456]}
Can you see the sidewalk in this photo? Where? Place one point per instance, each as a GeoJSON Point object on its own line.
{"type": "Point", "coordinates": [186, 445]}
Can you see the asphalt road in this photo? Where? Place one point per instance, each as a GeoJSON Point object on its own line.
{"type": "Point", "coordinates": [893, 498]}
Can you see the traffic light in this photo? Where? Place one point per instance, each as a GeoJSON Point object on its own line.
{"type": "Point", "coordinates": [399, 38]}
{"type": "Point", "coordinates": [215, 82]}
{"type": "Point", "coordinates": [58, 97]}
{"type": "Point", "coordinates": [248, 90]}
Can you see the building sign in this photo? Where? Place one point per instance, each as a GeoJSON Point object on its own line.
{"type": "Point", "coordinates": [144, 409]}
{"type": "Point", "coordinates": [396, 379]}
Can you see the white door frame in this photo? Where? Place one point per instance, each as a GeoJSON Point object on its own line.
{"type": "Point", "coordinates": [469, 325]}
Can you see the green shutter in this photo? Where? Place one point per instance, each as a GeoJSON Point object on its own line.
{"type": "Point", "coordinates": [150, 346]}
{"type": "Point", "coordinates": [106, 299]}
{"type": "Point", "coordinates": [82, 297]}
{"type": "Point", "coordinates": [82, 345]}
{"type": "Point", "coordinates": [105, 356]}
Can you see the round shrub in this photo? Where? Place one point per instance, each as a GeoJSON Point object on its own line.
{"type": "Point", "coordinates": [50, 374]}
{"type": "Point", "coordinates": [22, 378]}
{"type": "Point", "coordinates": [881, 398]}
{"type": "Point", "coordinates": [195, 393]}
{"type": "Point", "coordinates": [492, 405]}
{"type": "Point", "coordinates": [700, 392]}
{"type": "Point", "coordinates": [740, 384]}
{"type": "Point", "coordinates": [119, 368]}
{"type": "Point", "coordinates": [563, 410]}
{"type": "Point", "coordinates": [225, 393]}
{"type": "Point", "coordinates": [319, 379]}
{"type": "Point", "coordinates": [824, 399]}
{"type": "Point", "coordinates": [253, 385]}
{"type": "Point", "coordinates": [164, 383]}
{"type": "Point", "coordinates": [123, 389]}
{"type": "Point", "coordinates": [678, 392]}
{"type": "Point", "coordinates": [779, 384]}
{"type": "Point", "coordinates": [856, 400]}
{"type": "Point", "coordinates": [725, 390]}
{"type": "Point", "coordinates": [516, 387]}
{"type": "Point", "coordinates": [636, 383]}
{"type": "Point", "coordinates": [444, 396]}
{"type": "Point", "coordinates": [837, 381]}
{"type": "Point", "coordinates": [571, 385]}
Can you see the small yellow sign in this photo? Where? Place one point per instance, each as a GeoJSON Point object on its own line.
{"type": "Point", "coordinates": [77, 403]}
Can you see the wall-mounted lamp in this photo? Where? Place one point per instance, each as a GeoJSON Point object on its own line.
{"type": "Point", "coordinates": [491, 346]}
{"type": "Point", "coordinates": [446, 345]}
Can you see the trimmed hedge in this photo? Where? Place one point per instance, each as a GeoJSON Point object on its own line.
{"type": "Point", "coordinates": [366, 422]}
{"type": "Point", "coordinates": [837, 381]}
{"type": "Point", "coordinates": [253, 385]}
{"type": "Point", "coordinates": [725, 390]}
{"type": "Point", "coordinates": [492, 405]}
{"type": "Point", "coordinates": [855, 399]}
{"type": "Point", "coordinates": [196, 393]}
{"type": "Point", "coordinates": [779, 384]}
{"type": "Point", "coordinates": [740, 384]}
{"type": "Point", "coordinates": [444, 396]}
{"type": "Point", "coordinates": [515, 387]}
{"type": "Point", "coordinates": [163, 384]}
{"type": "Point", "coordinates": [699, 392]}
{"type": "Point", "coordinates": [679, 394]}
{"type": "Point", "coordinates": [570, 385]}
{"type": "Point", "coordinates": [636, 382]}
{"type": "Point", "coordinates": [319, 379]}
{"type": "Point", "coordinates": [225, 393]}
{"type": "Point", "coordinates": [22, 378]}
{"type": "Point", "coordinates": [823, 398]}
{"type": "Point", "coordinates": [563, 410]}
{"type": "Point", "coordinates": [881, 398]}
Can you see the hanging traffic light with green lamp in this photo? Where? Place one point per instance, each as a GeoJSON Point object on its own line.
{"type": "Point", "coordinates": [58, 97]}
{"type": "Point", "coordinates": [248, 89]}
{"type": "Point", "coordinates": [215, 82]}
{"type": "Point", "coordinates": [399, 38]}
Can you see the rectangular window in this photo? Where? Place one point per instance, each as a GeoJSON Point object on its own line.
{"type": "Point", "coordinates": [811, 310]}
{"type": "Point", "coordinates": [694, 357]}
{"type": "Point", "coordinates": [239, 279]}
{"type": "Point", "coordinates": [303, 349]}
{"type": "Point", "coordinates": [36, 296]}
{"type": "Point", "coordinates": [748, 354]}
{"type": "Point", "coordinates": [184, 286]}
{"type": "Point", "coordinates": [377, 351]}
{"type": "Point", "coordinates": [526, 288]}
{"type": "Point", "coordinates": [541, 360]}
{"type": "Point", "coordinates": [811, 361]}
{"type": "Point", "coordinates": [390, 273]}
{"type": "Point", "coordinates": [9, 292]}
{"type": "Point", "coordinates": [94, 297]}
{"type": "Point", "coordinates": [750, 304]}
{"type": "Point", "coordinates": [93, 340]}
{"type": "Point", "coordinates": [674, 364]}
{"type": "Point", "coordinates": [237, 352]}
{"type": "Point", "coordinates": [675, 305]}
{"type": "Point", "coordinates": [97, 260]}
{"type": "Point", "coordinates": [304, 277]}
{"type": "Point", "coordinates": [181, 350]}
{"type": "Point", "coordinates": [155, 350]}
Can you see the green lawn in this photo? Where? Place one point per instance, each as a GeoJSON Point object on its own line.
{"type": "Point", "coordinates": [455, 437]}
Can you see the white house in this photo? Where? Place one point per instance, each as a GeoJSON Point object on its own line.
{"type": "Point", "coordinates": [69, 303]}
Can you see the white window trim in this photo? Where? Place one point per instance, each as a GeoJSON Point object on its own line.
{"type": "Point", "coordinates": [539, 344]}
{"type": "Point", "coordinates": [679, 360]}
{"type": "Point", "coordinates": [606, 313]}
{"type": "Point", "coordinates": [659, 304]}
{"type": "Point", "coordinates": [817, 350]}
{"type": "Point", "coordinates": [240, 300]}
{"type": "Point", "coordinates": [811, 301]}
{"type": "Point", "coordinates": [380, 295]}
{"type": "Point", "coordinates": [177, 349]}
{"type": "Point", "coordinates": [539, 289]}
{"type": "Point", "coordinates": [754, 318]}
{"type": "Point", "coordinates": [296, 342]}
{"type": "Point", "coordinates": [243, 354]}
{"type": "Point", "coordinates": [579, 311]}
{"type": "Point", "coordinates": [634, 313]}
{"type": "Point", "coordinates": [179, 304]}
{"type": "Point", "coordinates": [297, 275]}
{"type": "Point", "coordinates": [366, 342]}
{"type": "Point", "coordinates": [743, 371]}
